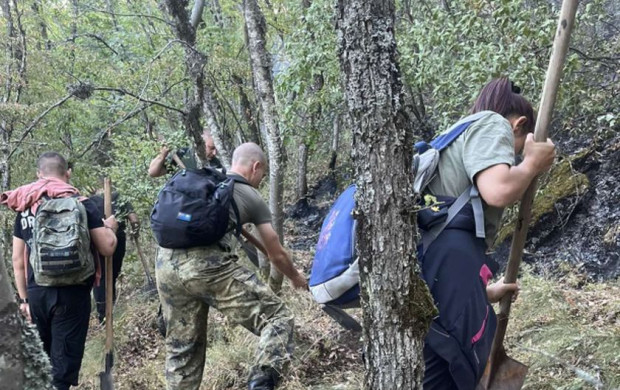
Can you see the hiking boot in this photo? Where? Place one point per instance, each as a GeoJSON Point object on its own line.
{"type": "Point", "coordinates": [264, 380]}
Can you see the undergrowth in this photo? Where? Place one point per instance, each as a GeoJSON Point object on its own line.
{"type": "Point", "coordinates": [566, 330]}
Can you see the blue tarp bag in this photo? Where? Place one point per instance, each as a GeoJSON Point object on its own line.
{"type": "Point", "coordinates": [335, 275]}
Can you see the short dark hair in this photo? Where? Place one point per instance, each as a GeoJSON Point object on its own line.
{"type": "Point", "coordinates": [503, 97]}
{"type": "Point", "coordinates": [52, 163]}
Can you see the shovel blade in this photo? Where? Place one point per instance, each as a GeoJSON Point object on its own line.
{"type": "Point", "coordinates": [106, 381]}
{"type": "Point", "coordinates": [503, 374]}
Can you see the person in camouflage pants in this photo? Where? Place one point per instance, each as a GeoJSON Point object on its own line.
{"type": "Point", "coordinates": [191, 280]}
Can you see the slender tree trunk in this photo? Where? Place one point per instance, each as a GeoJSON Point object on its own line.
{"type": "Point", "coordinates": [42, 26]}
{"type": "Point", "coordinates": [202, 99]}
{"type": "Point", "coordinates": [216, 9]}
{"type": "Point", "coordinates": [209, 107]}
{"type": "Point", "coordinates": [302, 164]}
{"type": "Point", "coordinates": [247, 113]}
{"type": "Point", "coordinates": [260, 60]}
{"type": "Point", "coordinates": [335, 142]}
{"type": "Point", "coordinates": [397, 306]}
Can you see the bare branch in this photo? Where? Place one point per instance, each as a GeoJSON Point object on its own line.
{"type": "Point", "coordinates": [128, 15]}
{"type": "Point", "coordinates": [102, 134]}
{"type": "Point", "coordinates": [153, 102]}
{"type": "Point", "coordinates": [96, 37]}
{"type": "Point", "coordinates": [615, 60]}
{"type": "Point", "coordinates": [36, 121]}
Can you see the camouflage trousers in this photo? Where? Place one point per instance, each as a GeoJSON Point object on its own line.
{"type": "Point", "coordinates": [189, 281]}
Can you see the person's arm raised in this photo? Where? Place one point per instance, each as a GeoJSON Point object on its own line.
{"type": "Point", "coordinates": [279, 257]}
{"type": "Point", "coordinates": [157, 166]}
{"type": "Point", "coordinates": [502, 185]}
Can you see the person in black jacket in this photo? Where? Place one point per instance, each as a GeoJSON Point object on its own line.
{"type": "Point", "coordinates": [455, 266]}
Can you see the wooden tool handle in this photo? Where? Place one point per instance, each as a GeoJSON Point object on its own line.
{"type": "Point", "coordinates": [254, 241]}
{"type": "Point", "coordinates": [109, 295]}
{"type": "Point", "coordinates": [550, 89]}
{"type": "Point", "coordinates": [177, 160]}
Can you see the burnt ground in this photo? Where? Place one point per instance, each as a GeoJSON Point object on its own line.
{"type": "Point", "coordinates": [582, 232]}
{"type": "Point", "coordinates": [307, 214]}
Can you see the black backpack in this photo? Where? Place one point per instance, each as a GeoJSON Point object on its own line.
{"type": "Point", "coordinates": [193, 208]}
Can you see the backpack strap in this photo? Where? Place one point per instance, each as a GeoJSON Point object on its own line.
{"type": "Point", "coordinates": [445, 139]}
{"type": "Point", "coordinates": [237, 179]}
{"type": "Point", "coordinates": [470, 194]}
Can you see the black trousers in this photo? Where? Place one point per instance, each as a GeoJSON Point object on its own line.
{"type": "Point", "coordinates": [61, 315]}
{"type": "Point", "coordinates": [117, 264]}
{"type": "Point", "coordinates": [437, 373]}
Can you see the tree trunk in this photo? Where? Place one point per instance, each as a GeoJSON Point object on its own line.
{"type": "Point", "coordinates": [335, 141]}
{"type": "Point", "coordinates": [397, 306]}
{"type": "Point", "coordinates": [42, 26]}
{"type": "Point", "coordinates": [302, 164]}
{"type": "Point", "coordinates": [209, 107]}
{"type": "Point", "coordinates": [216, 9]}
{"type": "Point", "coordinates": [23, 364]}
{"type": "Point", "coordinates": [202, 99]}
{"type": "Point", "coordinates": [11, 363]}
{"type": "Point", "coordinates": [247, 113]}
{"type": "Point", "coordinates": [261, 69]}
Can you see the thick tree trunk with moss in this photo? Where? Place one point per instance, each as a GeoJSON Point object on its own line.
{"type": "Point", "coordinates": [23, 363]}
{"type": "Point", "coordinates": [397, 306]}
{"type": "Point", "coordinates": [260, 60]}
{"type": "Point", "coordinates": [11, 364]}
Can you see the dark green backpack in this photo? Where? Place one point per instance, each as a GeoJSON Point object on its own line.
{"type": "Point", "coordinates": [60, 251]}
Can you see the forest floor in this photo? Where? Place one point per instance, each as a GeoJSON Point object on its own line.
{"type": "Point", "coordinates": [567, 329]}
{"type": "Point", "coordinates": [565, 326]}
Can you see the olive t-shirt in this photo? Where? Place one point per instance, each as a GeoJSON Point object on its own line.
{"type": "Point", "coordinates": [252, 209]}
{"type": "Point", "coordinates": [487, 142]}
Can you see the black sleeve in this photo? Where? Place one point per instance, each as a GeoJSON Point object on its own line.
{"type": "Point", "coordinates": [95, 217]}
{"type": "Point", "coordinates": [97, 200]}
{"type": "Point", "coordinates": [17, 229]}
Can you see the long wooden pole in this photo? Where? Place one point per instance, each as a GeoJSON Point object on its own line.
{"type": "Point", "coordinates": [109, 294]}
{"type": "Point", "coordinates": [107, 383]}
{"type": "Point", "coordinates": [550, 89]}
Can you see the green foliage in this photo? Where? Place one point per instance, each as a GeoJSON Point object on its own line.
{"type": "Point", "coordinates": [308, 82]}
{"type": "Point", "coordinates": [449, 53]}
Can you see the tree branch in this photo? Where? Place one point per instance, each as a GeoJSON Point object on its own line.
{"type": "Point", "coordinates": [152, 102]}
{"type": "Point", "coordinates": [94, 36]}
{"type": "Point", "coordinates": [36, 122]}
{"type": "Point", "coordinates": [105, 131]}
{"type": "Point", "coordinates": [598, 59]}
{"type": "Point", "coordinates": [128, 15]}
